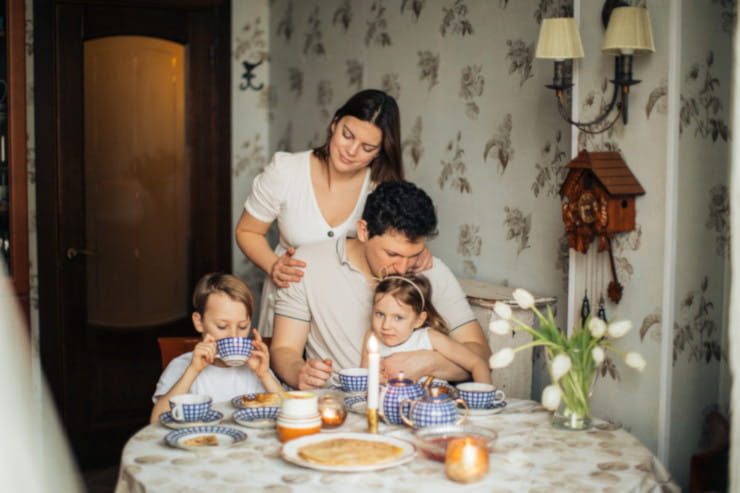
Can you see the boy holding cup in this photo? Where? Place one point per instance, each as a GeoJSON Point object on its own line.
{"type": "Point", "coordinates": [223, 308]}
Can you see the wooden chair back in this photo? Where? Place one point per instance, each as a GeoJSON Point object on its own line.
{"type": "Point", "coordinates": [171, 347]}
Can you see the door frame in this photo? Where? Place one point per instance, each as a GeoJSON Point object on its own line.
{"type": "Point", "coordinates": [61, 284]}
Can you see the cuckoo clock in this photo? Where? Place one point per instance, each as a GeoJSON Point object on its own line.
{"type": "Point", "coordinates": [598, 201]}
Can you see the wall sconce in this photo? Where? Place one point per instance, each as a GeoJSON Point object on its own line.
{"type": "Point", "coordinates": [628, 33]}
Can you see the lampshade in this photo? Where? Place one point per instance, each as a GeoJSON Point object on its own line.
{"type": "Point", "coordinates": [559, 39]}
{"type": "Point", "coordinates": [628, 32]}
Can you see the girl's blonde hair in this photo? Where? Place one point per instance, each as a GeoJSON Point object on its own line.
{"type": "Point", "coordinates": [415, 291]}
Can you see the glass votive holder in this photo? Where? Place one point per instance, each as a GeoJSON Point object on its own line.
{"type": "Point", "coordinates": [466, 460]}
{"type": "Point", "coordinates": [333, 411]}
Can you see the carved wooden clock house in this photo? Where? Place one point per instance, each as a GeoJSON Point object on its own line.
{"type": "Point", "coordinates": [599, 200]}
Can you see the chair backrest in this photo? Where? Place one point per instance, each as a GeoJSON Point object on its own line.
{"type": "Point", "coordinates": [171, 347]}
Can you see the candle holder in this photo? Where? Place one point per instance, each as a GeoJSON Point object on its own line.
{"type": "Point", "coordinates": [332, 410]}
{"type": "Point", "coordinates": [466, 460]}
{"type": "Point", "coordinates": [372, 421]}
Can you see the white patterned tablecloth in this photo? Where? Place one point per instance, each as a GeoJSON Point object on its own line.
{"type": "Point", "coordinates": [529, 455]}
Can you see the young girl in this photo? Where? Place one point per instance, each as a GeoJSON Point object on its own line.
{"type": "Point", "coordinates": [223, 308]}
{"type": "Point", "coordinates": [404, 319]}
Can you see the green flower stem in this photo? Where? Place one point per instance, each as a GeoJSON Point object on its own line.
{"type": "Point", "coordinates": [533, 344]}
{"type": "Point", "coordinates": [522, 325]}
{"type": "Point", "coordinates": [615, 350]}
{"type": "Point", "coordinates": [575, 386]}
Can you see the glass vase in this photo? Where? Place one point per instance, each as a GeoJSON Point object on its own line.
{"type": "Point", "coordinates": [576, 387]}
{"type": "Point", "coordinates": [576, 419]}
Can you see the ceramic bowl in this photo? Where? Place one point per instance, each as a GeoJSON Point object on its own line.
{"type": "Point", "coordinates": [252, 413]}
{"type": "Point", "coordinates": [433, 440]}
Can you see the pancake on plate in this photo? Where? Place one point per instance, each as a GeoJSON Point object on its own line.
{"type": "Point", "coordinates": [201, 441]}
{"type": "Point", "coordinates": [261, 400]}
{"type": "Point", "coordinates": [349, 452]}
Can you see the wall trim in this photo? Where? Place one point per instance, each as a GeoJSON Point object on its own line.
{"type": "Point", "coordinates": [573, 263]}
{"type": "Point", "coordinates": [665, 390]}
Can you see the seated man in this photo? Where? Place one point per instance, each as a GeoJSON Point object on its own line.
{"type": "Point", "coordinates": [328, 312]}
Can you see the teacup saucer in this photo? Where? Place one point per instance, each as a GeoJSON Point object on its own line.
{"type": "Point", "coordinates": [211, 418]}
{"type": "Point", "coordinates": [356, 403]}
{"type": "Point", "coordinates": [484, 411]}
{"type": "Point", "coordinates": [260, 423]}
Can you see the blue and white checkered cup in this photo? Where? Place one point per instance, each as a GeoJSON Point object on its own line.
{"type": "Point", "coordinates": [353, 379]}
{"type": "Point", "coordinates": [234, 351]}
{"type": "Point", "coordinates": [480, 395]}
{"type": "Point", "coordinates": [190, 407]}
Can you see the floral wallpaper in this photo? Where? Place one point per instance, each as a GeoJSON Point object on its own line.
{"type": "Point", "coordinates": [482, 135]}
{"type": "Point", "coordinates": [699, 331]}
{"type": "Point", "coordinates": [327, 50]}
{"type": "Point", "coordinates": [701, 106]}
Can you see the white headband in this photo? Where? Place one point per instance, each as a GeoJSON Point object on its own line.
{"type": "Point", "coordinates": [421, 295]}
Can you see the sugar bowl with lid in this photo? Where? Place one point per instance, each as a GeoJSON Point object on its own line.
{"type": "Point", "coordinates": [392, 395]}
{"type": "Point", "coordinates": [437, 408]}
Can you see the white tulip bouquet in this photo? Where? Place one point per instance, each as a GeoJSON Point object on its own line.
{"type": "Point", "coordinates": [573, 362]}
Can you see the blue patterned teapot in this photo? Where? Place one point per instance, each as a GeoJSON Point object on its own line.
{"type": "Point", "coordinates": [435, 409]}
{"type": "Point", "coordinates": [393, 393]}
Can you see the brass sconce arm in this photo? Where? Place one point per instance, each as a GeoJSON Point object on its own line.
{"type": "Point", "coordinates": [628, 33]}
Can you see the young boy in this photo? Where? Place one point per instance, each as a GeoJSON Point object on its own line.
{"type": "Point", "coordinates": [223, 308]}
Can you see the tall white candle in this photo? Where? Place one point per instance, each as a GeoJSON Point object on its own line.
{"type": "Point", "coordinates": [373, 372]}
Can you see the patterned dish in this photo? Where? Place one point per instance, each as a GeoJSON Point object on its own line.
{"type": "Point", "coordinates": [256, 417]}
{"type": "Point", "coordinates": [222, 435]}
{"type": "Point", "coordinates": [238, 400]}
{"type": "Point", "coordinates": [486, 411]}
{"type": "Point", "coordinates": [211, 418]}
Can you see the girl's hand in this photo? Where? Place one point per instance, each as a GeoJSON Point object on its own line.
{"type": "Point", "coordinates": [285, 271]}
{"type": "Point", "coordinates": [423, 261]}
{"type": "Point", "coordinates": [204, 353]}
{"type": "Point", "coordinates": [259, 361]}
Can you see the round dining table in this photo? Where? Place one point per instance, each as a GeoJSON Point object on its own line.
{"type": "Point", "coordinates": [528, 455]}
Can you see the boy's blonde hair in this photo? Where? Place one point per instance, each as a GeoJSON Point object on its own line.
{"type": "Point", "coordinates": [219, 282]}
{"type": "Point", "coordinates": [415, 291]}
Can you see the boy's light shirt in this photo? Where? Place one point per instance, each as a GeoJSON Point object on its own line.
{"type": "Point", "coordinates": [222, 384]}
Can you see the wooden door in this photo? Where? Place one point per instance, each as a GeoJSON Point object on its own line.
{"type": "Point", "coordinates": [133, 180]}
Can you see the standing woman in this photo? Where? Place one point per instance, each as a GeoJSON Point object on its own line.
{"type": "Point", "coordinates": [318, 195]}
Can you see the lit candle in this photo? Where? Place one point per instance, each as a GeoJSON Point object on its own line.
{"type": "Point", "coordinates": [373, 383]}
{"type": "Point", "coordinates": [466, 459]}
{"type": "Point", "coordinates": [373, 372]}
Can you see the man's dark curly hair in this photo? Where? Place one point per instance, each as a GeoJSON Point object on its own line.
{"type": "Point", "coordinates": [400, 206]}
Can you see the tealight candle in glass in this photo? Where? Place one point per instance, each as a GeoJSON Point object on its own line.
{"type": "Point", "coordinates": [332, 410]}
{"type": "Point", "coordinates": [466, 459]}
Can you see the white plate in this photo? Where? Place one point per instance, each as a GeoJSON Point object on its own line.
{"type": "Point", "coordinates": [211, 418]}
{"type": "Point", "coordinates": [290, 449]}
{"type": "Point", "coordinates": [226, 436]}
{"type": "Point", "coordinates": [489, 411]}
